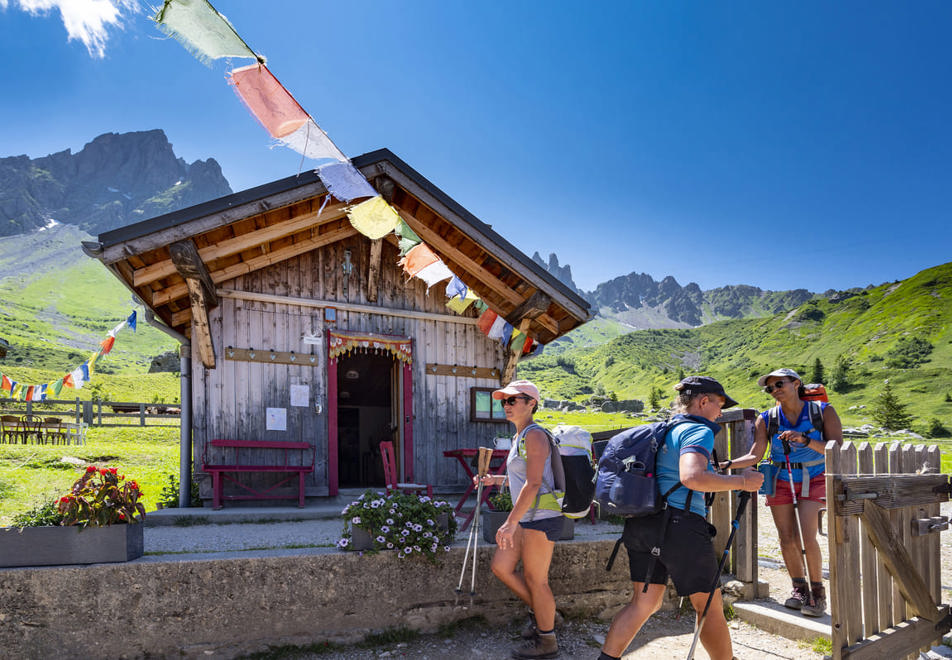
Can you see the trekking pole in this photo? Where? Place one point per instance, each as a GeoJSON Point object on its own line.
{"type": "Point", "coordinates": [744, 497]}
{"type": "Point", "coordinates": [796, 515]}
{"type": "Point", "coordinates": [482, 469]}
{"type": "Point", "coordinates": [472, 540]}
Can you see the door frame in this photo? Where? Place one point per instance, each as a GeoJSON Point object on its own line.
{"type": "Point", "coordinates": [401, 348]}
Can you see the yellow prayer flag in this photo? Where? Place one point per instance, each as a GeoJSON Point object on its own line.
{"type": "Point", "coordinates": [373, 218]}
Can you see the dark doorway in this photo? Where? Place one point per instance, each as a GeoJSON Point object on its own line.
{"type": "Point", "coordinates": [365, 394]}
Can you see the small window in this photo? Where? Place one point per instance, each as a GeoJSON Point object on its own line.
{"type": "Point", "coordinates": [483, 407]}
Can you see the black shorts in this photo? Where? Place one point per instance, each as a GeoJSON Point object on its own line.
{"type": "Point", "coordinates": [551, 527]}
{"type": "Point", "coordinates": [687, 553]}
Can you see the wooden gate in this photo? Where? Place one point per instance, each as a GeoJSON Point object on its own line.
{"type": "Point", "coordinates": [885, 571]}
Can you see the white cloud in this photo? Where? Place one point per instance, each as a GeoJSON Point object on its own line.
{"type": "Point", "coordinates": [85, 20]}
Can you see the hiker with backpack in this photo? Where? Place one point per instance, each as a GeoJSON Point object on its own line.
{"type": "Point", "coordinates": [535, 522]}
{"type": "Point", "coordinates": [796, 432]}
{"type": "Point", "coordinates": [677, 541]}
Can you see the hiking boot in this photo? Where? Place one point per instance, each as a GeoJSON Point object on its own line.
{"type": "Point", "coordinates": [799, 597]}
{"type": "Point", "coordinates": [540, 646]}
{"type": "Point", "coordinates": [817, 609]}
{"type": "Point", "coordinates": [530, 630]}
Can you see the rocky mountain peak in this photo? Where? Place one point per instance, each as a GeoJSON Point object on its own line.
{"type": "Point", "coordinates": [115, 179]}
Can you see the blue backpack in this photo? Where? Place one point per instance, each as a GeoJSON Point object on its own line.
{"type": "Point", "coordinates": [626, 484]}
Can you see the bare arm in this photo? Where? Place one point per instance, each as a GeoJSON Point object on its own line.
{"type": "Point", "coordinates": [692, 468]}
{"type": "Point", "coordinates": [756, 450]}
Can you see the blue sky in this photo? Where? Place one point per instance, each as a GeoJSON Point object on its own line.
{"type": "Point", "coordinates": [781, 145]}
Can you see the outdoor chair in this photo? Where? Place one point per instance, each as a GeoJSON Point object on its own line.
{"type": "Point", "coordinates": [9, 429]}
{"type": "Point", "coordinates": [31, 428]}
{"type": "Point", "coordinates": [54, 430]}
{"type": "Point", "coordinates": [390, 472]}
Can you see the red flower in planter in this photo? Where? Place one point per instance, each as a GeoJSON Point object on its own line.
{"type": "Point", "coordinates": [91, 468]}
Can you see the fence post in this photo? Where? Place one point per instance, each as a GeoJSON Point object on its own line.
{"type": "Point", "coordinates": [99, 411]}
{"type": "Point", "coordinates": [77, 411]}
{"type": "Point", "coordinates": [141, 414]}
{"type": "Point", "coordinates": [29, 407]}
{"type": "Point", "coordinates": [88, 412]}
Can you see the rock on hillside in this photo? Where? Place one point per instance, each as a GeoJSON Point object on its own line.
{"type": "Point", "coordinates": [113, 181]}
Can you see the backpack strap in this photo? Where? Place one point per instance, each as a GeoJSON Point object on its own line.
{"type": "Point", "coordinates": [773, 422]}
{"type": "Point", "coordinates": [558, 472]}
{"type": "Point", "coordinates": [816, 416]}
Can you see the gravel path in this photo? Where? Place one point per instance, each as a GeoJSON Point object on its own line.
{"type": "Point", "coordinates": [664, 636]}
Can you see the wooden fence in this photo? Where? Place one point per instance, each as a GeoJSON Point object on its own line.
{"type": "Point", "coordinates": [117, 414]}
{"type": "Point", "coordinates": [885, 570]}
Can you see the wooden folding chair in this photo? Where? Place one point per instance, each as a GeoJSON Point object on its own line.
{"type": "Point", "coordinates": [9, 429]}
{"type": "Point", "coordinates": [54, 430]}
{"type": "Point", "coordinates": [390, 472]}
{"type": "Point", "coordinates": [31, 427]}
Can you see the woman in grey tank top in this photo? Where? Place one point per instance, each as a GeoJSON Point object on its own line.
{"type": "Point", "coordinates": [533, 525]}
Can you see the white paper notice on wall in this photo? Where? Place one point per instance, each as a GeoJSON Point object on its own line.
{"type": "Point", "coordinates": [300, 395]}
{"type": "Point", "coordinates": [276, 419]}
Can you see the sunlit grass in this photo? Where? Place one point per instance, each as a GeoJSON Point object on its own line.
{"type": "Point", "coordinates": [32, 473]}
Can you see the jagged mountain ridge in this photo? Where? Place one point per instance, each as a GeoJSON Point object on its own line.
{"type": "Point", "coordinates": [115, 180]}
{"type": "Point", "coordinates": [639, 301]}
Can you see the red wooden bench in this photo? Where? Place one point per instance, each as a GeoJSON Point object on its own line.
{"type": "Point", "coordinates": [243, 448]}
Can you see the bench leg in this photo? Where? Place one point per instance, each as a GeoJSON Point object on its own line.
{"type": "Point", "coordinates": [300, 490]}
{"type": "Point", "coordinates": [216, 490]}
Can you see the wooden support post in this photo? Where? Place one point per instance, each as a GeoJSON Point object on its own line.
{"type": "Point", "coordinates": [201, 330]}
{"type": "Point", "coordinates": [373, 269]}
{"type": "Point", "coordinates": [189, 265]}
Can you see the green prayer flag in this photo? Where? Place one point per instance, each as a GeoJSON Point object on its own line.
{"type": "Point", "coordinates": [199, 27]}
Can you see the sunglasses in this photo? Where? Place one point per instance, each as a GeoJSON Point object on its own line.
{"type": "Point", "coordinates": [511, 401]}
{"type": "Point", "coordinates": [776, 386]}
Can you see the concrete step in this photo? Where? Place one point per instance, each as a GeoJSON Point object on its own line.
{"type": "Point", "coordinates": [778, 620]}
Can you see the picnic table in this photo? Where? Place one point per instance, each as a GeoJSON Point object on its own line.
{"type": "Point", "coordinates": [497, 465]}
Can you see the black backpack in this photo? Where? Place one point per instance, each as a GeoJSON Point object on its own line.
{"type": "Point", "coordinates": [572, 471]}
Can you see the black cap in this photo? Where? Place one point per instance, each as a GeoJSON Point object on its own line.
{"type": "Point", "coordinates": [704, 385]}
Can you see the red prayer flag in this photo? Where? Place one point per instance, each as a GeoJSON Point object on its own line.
{"type": "Point", "coordinates": [68, 380]}
{"type": "Point", "coordinates": [268, 100]}
{"type": "Point", "coordinates": [7, 385]}
{"type": "Point", "coordinates": [107, 345]}
{"type": "Point", "coordinates": [486, 321]}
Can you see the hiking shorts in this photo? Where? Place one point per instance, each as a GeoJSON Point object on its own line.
{"type": "Point", "coordinates": [782, 493]}
{"type": "Point", "coordinates": [551, 527]}
{"type": "Point", "coordinates": [687, 553]}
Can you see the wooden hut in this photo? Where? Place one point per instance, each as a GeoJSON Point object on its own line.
{"type": "Point", "coordinates": [302, 329]}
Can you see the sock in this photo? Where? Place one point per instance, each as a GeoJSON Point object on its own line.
{"type": "Point", "coordinates": [605, 656]}
{"type": "Point", "coordinates": [818, 590]}
{"type": "Point", "coordinates": [547, 632]}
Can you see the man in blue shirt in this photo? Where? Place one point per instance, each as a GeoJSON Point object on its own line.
{"type": "Point", "coordinates": [687, 551]}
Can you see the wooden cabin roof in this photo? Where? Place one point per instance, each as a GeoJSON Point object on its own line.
{"type": "Point", "coordinates": [163, 259]}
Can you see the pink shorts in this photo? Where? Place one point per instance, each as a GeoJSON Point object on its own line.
{"type": "Point", "coordinates": [783, 496]}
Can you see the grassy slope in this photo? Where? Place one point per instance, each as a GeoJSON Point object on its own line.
{"type": "Point", "coordinates": [864, 328]}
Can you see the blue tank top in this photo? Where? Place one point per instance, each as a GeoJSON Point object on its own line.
{"type": "Point", "coordinates": [797, 454]}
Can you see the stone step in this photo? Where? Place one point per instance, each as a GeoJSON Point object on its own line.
{"type": "Point", "coordinates": [778, 620]}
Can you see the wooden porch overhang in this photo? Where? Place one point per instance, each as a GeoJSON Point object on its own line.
{"type": "Point", "coordinates": [174, 262]}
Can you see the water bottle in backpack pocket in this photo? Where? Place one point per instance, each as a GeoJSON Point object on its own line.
{"type": "Point", "coordinates": [769, 470]}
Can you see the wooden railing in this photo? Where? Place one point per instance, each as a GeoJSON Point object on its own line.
{"type": "Point", "coordinates": [118, 413]}
{"type": "Point", "coordinates": [885, 571]}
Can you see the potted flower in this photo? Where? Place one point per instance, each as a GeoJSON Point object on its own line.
{"type": "Point", "coordinates": [98, 521]}
{"type": "Point", "coordinates": [501, 504]}
{"type": "Point", "coordinates": [415, 526]}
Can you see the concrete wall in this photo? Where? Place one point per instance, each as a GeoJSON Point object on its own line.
{"type": "Point", "coordinates": [223, 607]}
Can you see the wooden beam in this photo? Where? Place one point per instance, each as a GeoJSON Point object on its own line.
{"type": "Point", "coordinates": [509, 373]}
{"type": "Point", "coordinates": [271, 357]}
{"type": "Point", "coordinates": [461, 370]}
{"type": "Point", "coordinates": [181, 317]}
{"type": "Point", "coordinates": [345, 307]}
{"type": "Point", "coordinates": [176, 291]}
{"type": "Point", "coordinates": [242, 242]}
{"type": "Point", "coordinates": [201, 331]}
{"type": "Point", "coordinates": [163, 237]}
{"type": "Point", "coordinates": [373, 269]}
{"type": "Point", "coordinates": [899, 640]}
{"type": "Point", "coordinates": [898, 562]}
{"type": "Point", "coordinates": [184, 255]}
{"type": "Point", "coordinates": [532, 307]}
{"type": "Point", "coordinates": [479, 273]}
{"type": "Point", "coordinates": [893, 491]}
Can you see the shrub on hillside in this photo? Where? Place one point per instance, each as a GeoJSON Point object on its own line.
{"type": "Point", "coordinates": [908, 353]}
{"type": "Point", "coordinates": [936, 429]}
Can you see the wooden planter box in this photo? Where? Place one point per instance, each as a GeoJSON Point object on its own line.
{"type": "Point", "coordinates": [491, 521]}
{"type": "Point", "coordinates": [53, 546]}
